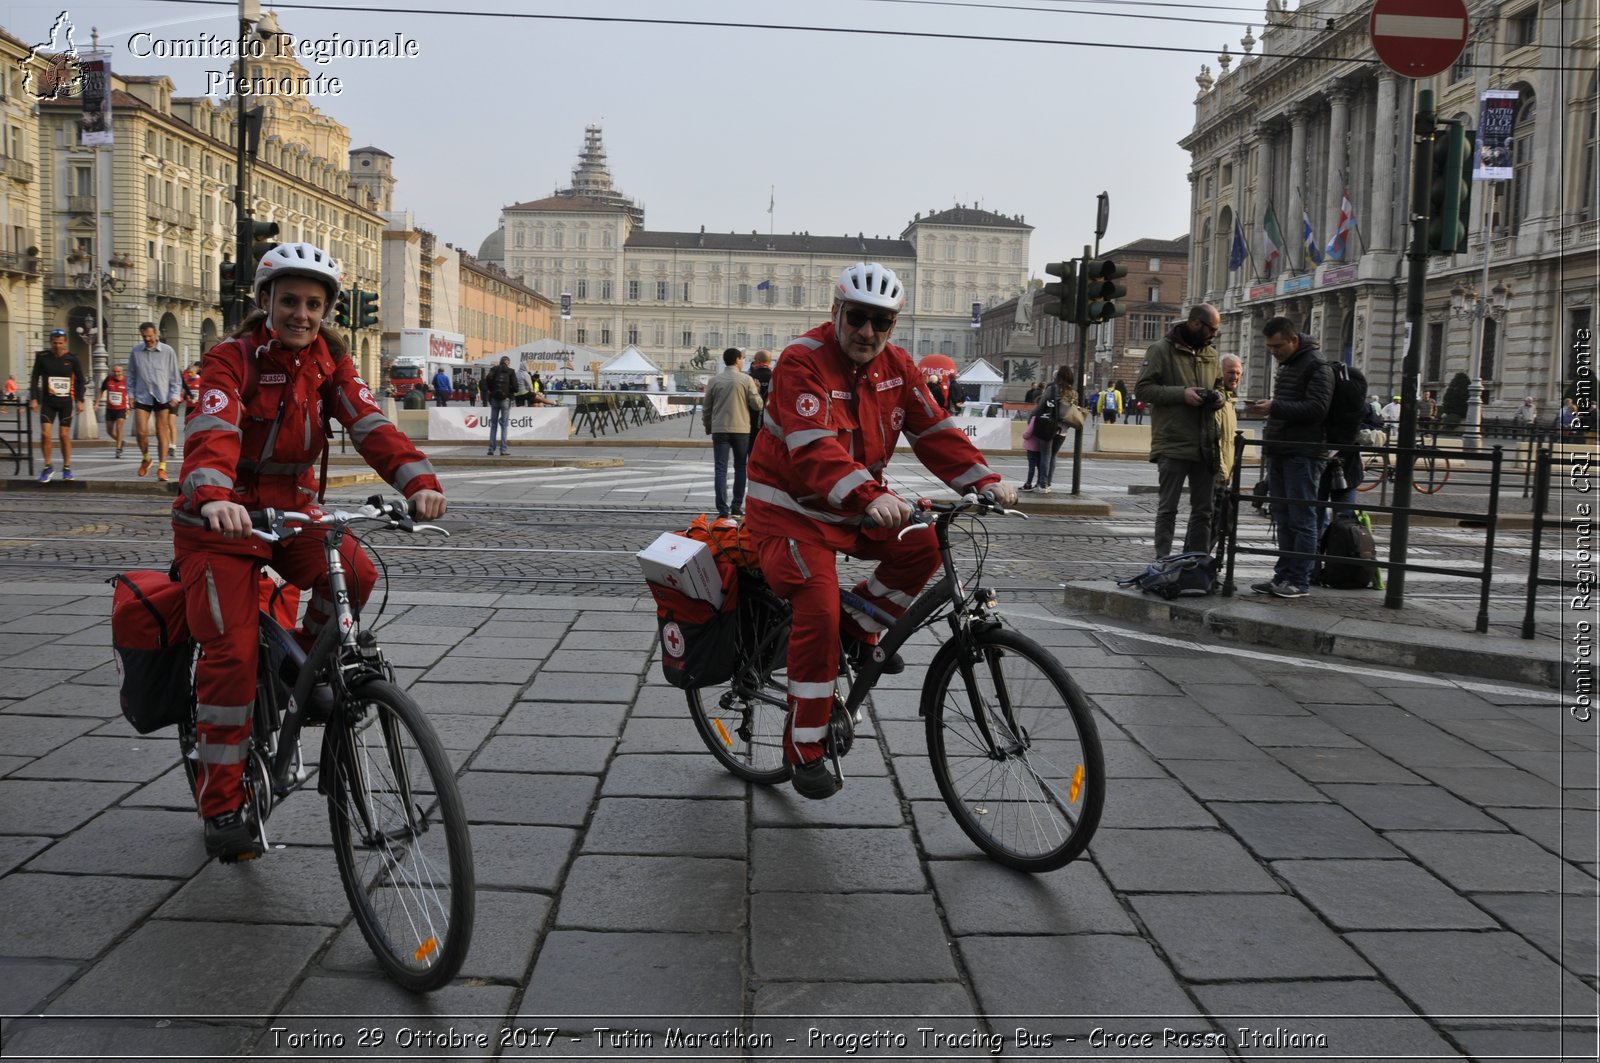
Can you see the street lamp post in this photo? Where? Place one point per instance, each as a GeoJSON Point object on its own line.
{"type": "Point", "coordinates": [1468, 305]}
{"type": "Point", "coordinates": [87, 273]}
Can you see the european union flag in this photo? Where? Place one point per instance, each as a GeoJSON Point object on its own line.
{"type": "Point", "coordinates": [763, 286]}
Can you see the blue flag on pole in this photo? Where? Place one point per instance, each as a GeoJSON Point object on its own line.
{"type": "Point", "coordinates": [1239, 252]}
{"type": "Point", "coordinates": [763, 286]}
{"type": "Point", "coordinates": [1313, 252]}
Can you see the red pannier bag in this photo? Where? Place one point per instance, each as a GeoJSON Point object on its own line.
{"type": "Point", "coordinates": [154, 653]}
{"type": "Point", "coordinates": [700, 641]}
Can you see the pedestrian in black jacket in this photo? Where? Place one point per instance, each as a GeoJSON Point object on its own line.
{"type": "Point", "coordinates": [1295, 448]}
{"type": "Point", "coordinates": [56, 387]}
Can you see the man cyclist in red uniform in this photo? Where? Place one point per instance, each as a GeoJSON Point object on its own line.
{"type": "Point", "coordinates": [840, 398]}
{"type": "Point", "coordinates": [252, 442]}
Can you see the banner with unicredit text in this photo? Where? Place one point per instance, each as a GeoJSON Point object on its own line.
{"type": "Point", "coordinates": [524, 423]}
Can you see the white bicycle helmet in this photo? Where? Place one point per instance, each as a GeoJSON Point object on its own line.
{"type": "Point", "coordinates": [870, 284]}
{"type": "Point", "coordinates": [299, 260]}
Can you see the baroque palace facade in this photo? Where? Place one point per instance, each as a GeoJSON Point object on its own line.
{"type": "Point", "coordinates": [1316, 115]}
{"type": "Point", "coordinates": [673, 293]}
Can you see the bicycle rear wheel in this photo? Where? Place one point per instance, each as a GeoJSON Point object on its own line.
{"type": "Point", "coordinates": [1373, 471]}
{"type": "Point", "coordinates": [1432, 473]}
{"type": "Point", "coordinates": [741, 722]}
{"type": "Point", "coordinates": [400, 835]}
{"type": "Point", "coordinates": [1019, 763]}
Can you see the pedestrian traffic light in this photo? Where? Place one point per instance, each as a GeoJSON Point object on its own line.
{"type": "Point", "coordinates": [366, 309]}
{"type": "Point", "coordinates": [1450, 190]}
{"type": "Point", "coordinates": [1063, 296]}
{"type": "Point", "coordinates": [1101, 291]}
{"type": "Point", "coordinates": [341, 309]}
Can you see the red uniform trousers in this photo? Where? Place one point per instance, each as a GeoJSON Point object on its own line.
{"type": "Point", "coordinates": [221, 596]}
{"type": "Point", "coordinates": [807, 575]}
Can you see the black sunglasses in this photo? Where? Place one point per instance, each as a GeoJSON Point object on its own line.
{"type": "Point", "coordinates": [880, 322]}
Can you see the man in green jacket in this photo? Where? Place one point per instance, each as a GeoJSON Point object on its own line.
{"type": "Point", "coordinates": [1178, 381]}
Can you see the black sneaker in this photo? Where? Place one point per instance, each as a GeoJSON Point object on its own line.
{"type": "Point", "coordinates": [737, 511]}
{"type": "Point", "coordinates": [861, 653]}
{"type": "Point", "coordinates": [814, 781]}
{"type": "Point", "coordinates": [232, 837]}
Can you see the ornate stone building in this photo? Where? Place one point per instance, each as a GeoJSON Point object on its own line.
{"type": "Point", "coordinates": [1291, 133]}
{"type": "Point", "coordinates": [673, 293]}
{"type": "Point", "coordinates": [159, 202]}
{"type": "Point", "coordinates": [21, 262]}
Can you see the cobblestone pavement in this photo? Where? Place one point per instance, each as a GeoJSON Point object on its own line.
{"type": "Point", "coordinates": [1299, 858]}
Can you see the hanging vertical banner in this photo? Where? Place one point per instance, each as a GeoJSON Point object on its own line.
{"type": "Point", "coordinates": [977, 314]}
{"type": "Point", "coordinates": [96, 120]}
{"type": "Point", "coordinates": [1497, 116]}
{"type": "Point", "coordinates": [566, 306]}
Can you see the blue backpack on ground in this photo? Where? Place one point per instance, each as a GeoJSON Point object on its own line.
{"type": "Point", "coordinates": [1190, 575]}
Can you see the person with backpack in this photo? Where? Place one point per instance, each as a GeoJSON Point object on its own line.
{"type": "Point", "coordinates": [1178, 380]}
{"type": "Point", "coordinates": [499, 387]}
{"type": "Point", "coordinates": [1349, 414]}
{"type": "Point", "coordinates": [1053, 412]}
{"type": "Point", "coordinates": [280, 369]}
{"type": "Point", "coordinates": [1295, 451]}
{"type": "Point", "coordinates": [1110, 404]}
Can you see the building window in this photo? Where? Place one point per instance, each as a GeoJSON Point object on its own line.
{"type": "Point", "coordinates": [583, 335]}
{"type": "Point", "coordinates": [633, 335]}
{"type": "Point", "coordinates": [633, 290]}
{"type": "Point", "coordinates": [768, 338]}
{"type": "Point", "coordinates": [559, 240]}
{"type": "Point", "coordinates": [741, 339]}
{"type": "Point", "coordinates": [1435, 371]}
{"type": "Point", "coordinates": [605, 337]}
{"type": "Point", "coordinates": [1154, 293]}
{"type": "Point", "coordinates": [661, 335]}
{"type": "Point", "coordinates": [1152, 330]}
{"type": "Point", "coordinates": [661, 291]}
{"type": "Point", "coordinates": [1522, 163]}
{"type": "Point", "coordinates": [1463, 66]}
{"type": "Point", "coordinates": [1155, 265]}
{"type": "Point", "coordinates": [583, 237]}
{"type": "Point", "coordinates": [742, 295]}
{"type": "Point", "coordinates": [583, 289]}
{"type": "Point", "coordinates": [1522, 29]}
{"type": "Point", "coordinates": [686, 286]}
{"type": "Point", "coordinates": [771, 291]}
{"type": "Point", "coordinates": [688, 337]}
{"type": "Point", "coordinates": [1227, 174]}
{"type": "Point", "coordinates": [714, 339]}
{"type": "Point", "coordinates": [797, 294]}
{"type": "Point", "coordinates": [1591, 153]}
{"type": "Point", "coordinates": [605, 290]}
{"type": "Point", "coordinates": [605, 238]}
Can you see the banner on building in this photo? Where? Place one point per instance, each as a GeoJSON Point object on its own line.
{"type": "Point", "coordinates": [977, 314]}
{"type": "Point", "coordinates": [1497, 116]}
{"type": "Point", "coordinates": [96, 120]}
{"type": "Point", "coordinates": [566, 306]}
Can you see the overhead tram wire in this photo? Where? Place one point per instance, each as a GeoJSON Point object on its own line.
{"type": "Point", "coordinates": [1087, 14]}
{"type": "Point", "coordinates": [975, 38]}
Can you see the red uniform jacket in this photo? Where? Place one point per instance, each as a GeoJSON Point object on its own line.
{"type": "Point", "coordinates": [256, 434]}
{"type": "Point", "coordinates": [829, 430]}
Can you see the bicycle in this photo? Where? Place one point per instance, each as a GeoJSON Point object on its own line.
{"type": "Point", "coordinates": [1429, 474]}
{"type": "Point", "coordinates": [383, 770]}
{"type": "Point", "coordinates": [1010, 737]}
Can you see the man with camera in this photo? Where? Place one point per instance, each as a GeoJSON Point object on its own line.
{"type": "Point", "coordinates": [1178, 382]}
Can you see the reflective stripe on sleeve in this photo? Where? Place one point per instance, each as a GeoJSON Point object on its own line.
{"type": "Point", "coordinates": [847, 483]}
{"type": "Point", "coordinates": [205, 478]}
{"type": "Point", "coordinates": [223, 715]}
{"type": "Point", "coordinates": [773, 496]}
{"type": "Point", "coordinates": [208, 423]}
{"type": "Point", "coordinates": [971, 476]}
{"type": "Point", "coordinates": [808, 342]}
{"type": "Point", "coordinates": [810, 435]}
{"type": "Point", "coordinates": [366, 426]}
{"type": "Point", "coordinates": [410, 471]}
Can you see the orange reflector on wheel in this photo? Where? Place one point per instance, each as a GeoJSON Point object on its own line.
{"type": "Point", "coordinates": [426, 949]}
{"type": "Point", "coordinates": [1077, 785]}
{"type": "Point", "coordinates": [727, 739]}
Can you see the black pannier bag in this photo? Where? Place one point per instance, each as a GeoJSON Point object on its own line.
{"type": "Point", "coordinates": [153, 650]}
{"type": "Point", "coordinates": [699, 641]}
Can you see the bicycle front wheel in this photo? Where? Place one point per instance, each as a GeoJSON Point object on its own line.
{"type": "Point", "coordinates": [1373, 471]}
{"type": "Point", "coordinates": [1015, 751]}
{"type": "Point", "coordinates": [400, 835]}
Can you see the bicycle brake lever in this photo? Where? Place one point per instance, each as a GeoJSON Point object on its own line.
{"type": "Point", "coordinates": [430, 527]}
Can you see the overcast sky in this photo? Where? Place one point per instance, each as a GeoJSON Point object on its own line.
{"type": "Point", "coordinates": [848, 131]}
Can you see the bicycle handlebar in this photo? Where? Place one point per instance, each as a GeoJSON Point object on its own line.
{"type": "Point", "coordinates": [927, 513]}
{"type": "Point", "coordinates": [272, 525]}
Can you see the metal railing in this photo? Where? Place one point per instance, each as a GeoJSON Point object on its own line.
{"type": "Point", "coordinates": [16, 434]}
{"type": "Point", "coordinates": [1482, 574]}
{"type": "Point", "coordinates": [1582, 479]}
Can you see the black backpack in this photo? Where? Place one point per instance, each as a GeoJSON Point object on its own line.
{"type": "Point", "coordinates": [1190, 575]}
{"type": "Point", "coordinates": [1347, 537]}
{"type": "Point", "coordinates": [1349, 404]}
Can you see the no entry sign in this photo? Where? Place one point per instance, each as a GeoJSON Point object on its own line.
{"type": "Point", "coordinates": [1418, 38]}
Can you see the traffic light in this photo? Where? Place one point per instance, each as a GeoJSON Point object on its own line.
{"type": "Point", "coordinates": [256, 238]}
{"type": "Point", "coordinates": [1064, 299]}
{"type": "Point", "coordinates": [1101, 291]}
{"type": "Point", "coordinates": [366, 309]}
{"type": "Point", "coordinates": [341, 309]}
{"type": "Point", "coordinates": [1450, 190]}
{"type": "Point", "coordinates": [227, 278]}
